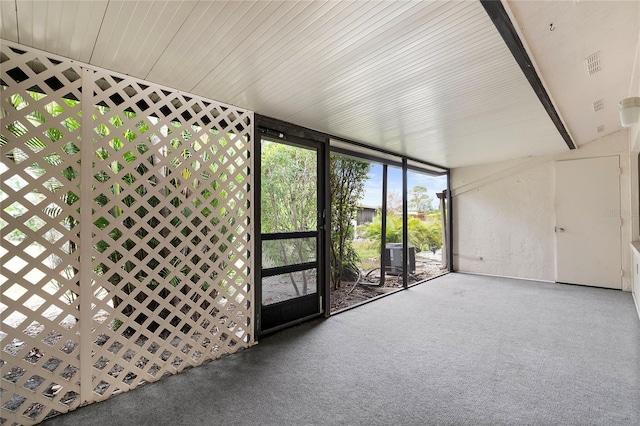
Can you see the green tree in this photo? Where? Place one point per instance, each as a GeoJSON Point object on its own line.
{"type": "Point", "coordinates": [289, 204]}
{"type": "Point", "coordinates": [419, 200]}
{"type": "Point", "coordinates": [347, 180]}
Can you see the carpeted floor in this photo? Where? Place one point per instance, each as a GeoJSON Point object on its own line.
{"type": "Point", "coordinates": [458, 350]}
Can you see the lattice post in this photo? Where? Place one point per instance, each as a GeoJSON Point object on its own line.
{"type": "Point", "coordinates": [86, 237]}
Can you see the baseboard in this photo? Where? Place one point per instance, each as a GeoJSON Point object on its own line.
{"type": "Point", "coordinates": [504, 276]}
{"type": "Point", "coordinates": [636, 299]}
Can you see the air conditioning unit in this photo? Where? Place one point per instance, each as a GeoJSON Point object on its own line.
{"type": "Point", "coordinates": [393, 259]}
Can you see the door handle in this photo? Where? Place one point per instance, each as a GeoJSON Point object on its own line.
{"type": "Point", "coordinates": [556, 229]}
{"type": "Point", "coordinates": [322, 220]}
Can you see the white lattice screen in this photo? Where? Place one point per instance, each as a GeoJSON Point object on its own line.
{"type": "Point", "coordinates": [125, 233]}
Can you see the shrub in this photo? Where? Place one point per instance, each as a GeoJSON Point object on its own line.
{"type": "Point", "coordinates": [423, 235]}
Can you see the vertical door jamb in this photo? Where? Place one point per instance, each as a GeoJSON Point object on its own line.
{"type": "Point", "coordinates": [449, 224]}
{"type": "Point", "coordinates": [405, 226]}
{"type": "Point", "coordinates": [383, 226]}
{"type": "Point", "coordinates": [257, 235]}
{"type": "Point", "coordinates": [325, 194]}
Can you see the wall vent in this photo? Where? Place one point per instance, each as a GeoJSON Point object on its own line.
{"type": "Point", "coordinates": [593, 64]}
{"type": "Point", "coordinates": [598, 105]}
{"type": "Point", "coordinates": [600, 128]}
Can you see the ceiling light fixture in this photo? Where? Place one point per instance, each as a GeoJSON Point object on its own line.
{"type": "Point", "coordinates": [629, 111]}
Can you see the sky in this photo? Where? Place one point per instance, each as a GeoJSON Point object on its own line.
{"type": "Point", "coordinates": [373, 186]}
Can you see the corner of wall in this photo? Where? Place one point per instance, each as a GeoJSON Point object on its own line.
{"type": "Point", "coordinates": [500, 219]}
{"type": "Point", "coordinates": [504, 213]}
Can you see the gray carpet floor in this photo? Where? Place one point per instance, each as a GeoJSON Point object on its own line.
{"type": "Point", "coordinates": [458, 350]}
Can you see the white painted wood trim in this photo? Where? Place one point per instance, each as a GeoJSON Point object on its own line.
{"type": "Point", "coordinates": [637, 303]}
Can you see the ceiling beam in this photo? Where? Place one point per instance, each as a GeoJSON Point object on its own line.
{"type": "Point", "coordinates": [501, 20]}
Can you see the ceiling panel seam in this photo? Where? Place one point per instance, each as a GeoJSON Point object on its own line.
{"type": "Point", "coordinates": [392, 94]}
{"type": "Point", "coordinates": [317, 24]}
{"type": "Point", "coordinates": [283, 55]}
{"type": "Point", "coordinates": [435, 76]}
{"type": "Point", "coordinates": [146, 76]}
{"type": "Point", "coordinates": [95, 42]}
{"type": "Point", "coordinates": [338, 53]}
{"type": "Point", "coordinates": [204, 49]}
{"type": "Point", "coordinates": [179, 52]}
{"type": "Point", "coordinates": [222, 60]}
{"type": "Point", "coordinates": [15, 9]}
{"type": "Point", "coordinates": [259, 52]}
{"type": "Point", "coordinates": [328, 78]}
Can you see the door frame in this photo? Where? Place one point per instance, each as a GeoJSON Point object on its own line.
{"type": "Point", "coordinates": [610, 212]}
{"type": "Point", "coordinates": [295, 135]}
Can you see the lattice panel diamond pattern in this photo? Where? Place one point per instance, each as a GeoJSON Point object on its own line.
{"type": "Point", "coordinates": [39, 219]}
{"type": "Point", "coordinates": [171, 232]}
{"type": "Point", "coordinates": [169, 284]}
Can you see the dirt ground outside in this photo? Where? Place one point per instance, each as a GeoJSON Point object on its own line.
{"type": "Point", "coordinates": [351, 293]}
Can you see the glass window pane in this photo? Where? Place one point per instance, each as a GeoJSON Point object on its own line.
{"type": "Point", "coordinates": [288, 252]}
{"type": "Point", "coordinates": [288, 286]}
{"type": "Point", "coordinates": [366, 241]}
{"type": "Point", "coordinates": [289, 188]}
{"type": "Point", "coordinates": [425, 224]}
{"type": "Point", "coordinates": [393, 249]}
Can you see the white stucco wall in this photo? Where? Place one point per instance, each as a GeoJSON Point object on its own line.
{"type": "Point", "coordinates": [504, 218]}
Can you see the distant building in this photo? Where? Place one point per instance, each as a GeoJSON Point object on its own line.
{"type": "Point", "coordinates": [366, 214]}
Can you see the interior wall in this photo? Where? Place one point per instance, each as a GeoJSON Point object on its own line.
{"type": "Point", "coordinates": [504, 215]}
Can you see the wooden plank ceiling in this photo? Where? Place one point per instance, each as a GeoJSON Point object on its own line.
{"type": "Point", "coordinates": [433, 80]}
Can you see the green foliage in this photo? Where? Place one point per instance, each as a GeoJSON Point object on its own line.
{"type": "Point", "coordinates": [419, 200]}
{"type": "Point", "coordinates": [426, 235]}
{"type": "Point", "coordinates": [423, 235]}
{"type": "Point", "coordinates": [347, 181]}
{"type": "Point", "coordinates": [289, 191]}
{"type": "Point", "coordinates": [373, 230]}
{"type": "Point", "coordinates": [289, 204]}
{"type": "Point", "coordinates": [368, 254]}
